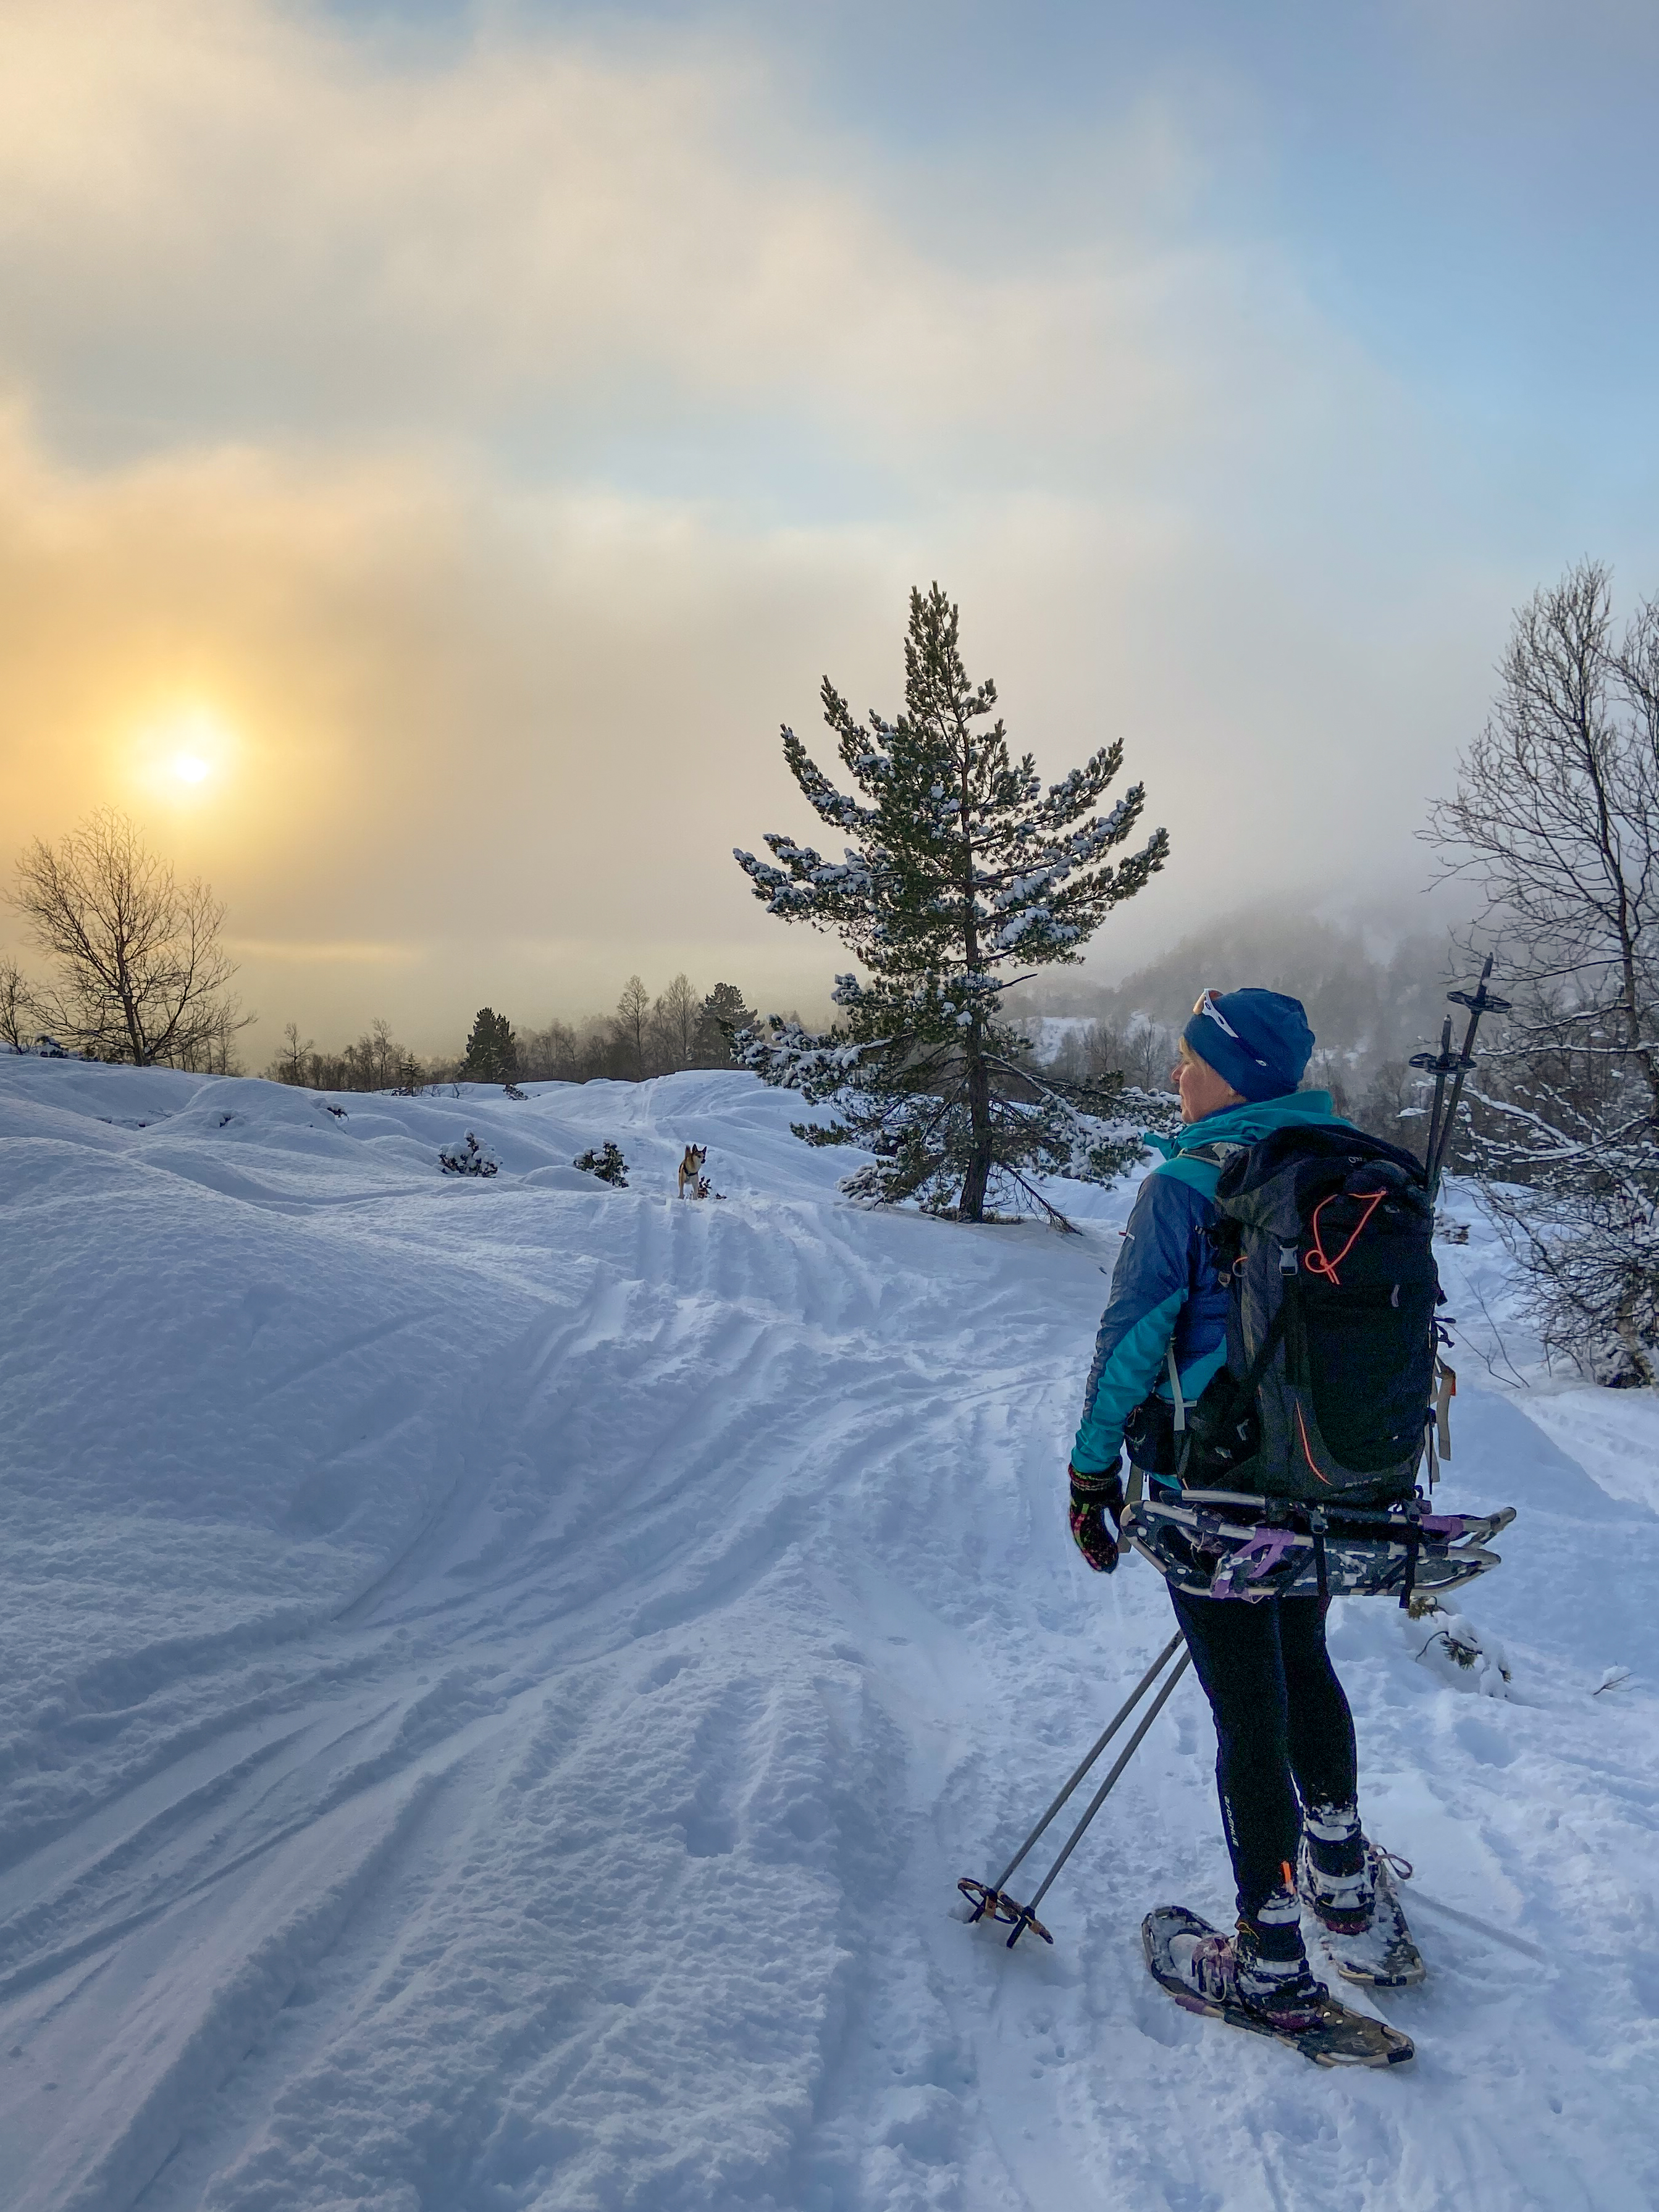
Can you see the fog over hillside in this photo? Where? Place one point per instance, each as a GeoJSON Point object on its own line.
{"type": "Point", "coordinates": [1372, 987]}
{"type": "Point", "coordinates": [1374, 983]}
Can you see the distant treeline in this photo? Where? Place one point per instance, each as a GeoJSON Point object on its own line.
{"type": "Point", "coordinates": [1371, 1004]}
{"type": "Point", "coordinates": [646, 1037]}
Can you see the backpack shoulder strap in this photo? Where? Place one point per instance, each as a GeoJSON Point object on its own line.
{"type": "Point", "coordinates": [1200, 1166]}
{"type": "Point", "coordinates": [1198, 1174]}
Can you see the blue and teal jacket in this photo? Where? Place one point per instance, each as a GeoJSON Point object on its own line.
{"type": "Point", "coordinates": [1165, 1288]}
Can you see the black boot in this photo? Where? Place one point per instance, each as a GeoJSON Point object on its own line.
{"type": "Point", "coordinates": [1337, 1869]}
{"type": "Point", "coordinates": [1270, 1969]}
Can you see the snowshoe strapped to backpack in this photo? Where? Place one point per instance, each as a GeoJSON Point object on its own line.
{"type": "Point", "coordinates": [1221, 1544]}
{"type": "Point", "coordinates": [1323, 1237]}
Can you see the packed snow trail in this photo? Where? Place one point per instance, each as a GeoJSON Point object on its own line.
{"type": "Point", "coordinates": [500, 1678]}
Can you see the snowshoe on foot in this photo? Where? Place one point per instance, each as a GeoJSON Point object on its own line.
{"type": "Point", "coordinates": [1203, 1970]}
{"type": "Point", "coordinates": [1362, 1923]}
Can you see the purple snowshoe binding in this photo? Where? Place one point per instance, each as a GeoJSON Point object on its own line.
{"type": "Point", "coordinates": [1223, 1544]}
{"type": "Point", "coordinates": [1229, 1978]}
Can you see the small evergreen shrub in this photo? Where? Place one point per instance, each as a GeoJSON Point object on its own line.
{"type": "Point", "coordinates": [469, 1158]}
{"type": "Point", "coordinates": [607, 1163]}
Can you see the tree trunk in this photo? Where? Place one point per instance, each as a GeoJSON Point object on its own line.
{"type": "Point", "coordinates": [971, 1205]}
{"type": "Point", "coordinates": [1630, 1336]}
{"type": "Point", "coordinates": [137, 1043]}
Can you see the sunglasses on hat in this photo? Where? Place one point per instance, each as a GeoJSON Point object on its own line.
{"type": "Point", "coordinates": [1205, 1004]}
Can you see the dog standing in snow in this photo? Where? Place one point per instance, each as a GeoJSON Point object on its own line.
{"type": "Point", "coordinates": [692, 1179]}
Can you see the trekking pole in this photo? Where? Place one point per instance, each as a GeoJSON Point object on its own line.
{"type": "Point", "coordinates": [1026, 1916]}
{"type": "Point", "coordinates": [997, 1901]}
{"type": "Point", "coordinates": [1440, 1067]}
{"type": "Point", "coordinates": [988, 1897]}
{"type": "Point", "coordinates": [1478, 1001]}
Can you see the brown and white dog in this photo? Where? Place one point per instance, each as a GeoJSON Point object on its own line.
{"type": "Point", "coordinates": [693, 1182]}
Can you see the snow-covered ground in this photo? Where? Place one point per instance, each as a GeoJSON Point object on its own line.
{"type": "Point", "coordinates": [500, 1678]}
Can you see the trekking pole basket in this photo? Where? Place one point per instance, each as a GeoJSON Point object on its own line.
{"type": "Point", "coordinates": [991, 1900]}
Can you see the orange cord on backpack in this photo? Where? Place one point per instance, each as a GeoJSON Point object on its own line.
{"type": "Point", "coordinates": [1307, 1450]}
{"type": "Point", "coordinates": [1317, 1263]}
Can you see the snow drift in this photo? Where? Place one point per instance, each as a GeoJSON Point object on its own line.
{"type": "Point", "coordinates": [502, 1675]}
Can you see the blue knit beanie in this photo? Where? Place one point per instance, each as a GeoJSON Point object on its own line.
{"type": "Point", "coordinates": [1259, 1041]}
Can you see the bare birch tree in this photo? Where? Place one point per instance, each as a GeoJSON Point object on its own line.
{"type": "Point", "coordinates": [293, 1063]}
{"type": "Point", "coordinates": [632, 1021]}
{"type": "Point", "coordinates": [674, 1024]}
{"type": "Point", "coordinates": [1556, 818]}
{"type": "Point", "coordinates": [141, 974]}
{"type": "Point", "coordinates": [18, 1018]}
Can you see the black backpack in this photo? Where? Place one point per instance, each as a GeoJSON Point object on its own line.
{"type": "Point", "coordinates": [1323, 1237]}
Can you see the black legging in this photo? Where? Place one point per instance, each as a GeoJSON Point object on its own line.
{"type": "Point", "coordinates": [1283, 1733]}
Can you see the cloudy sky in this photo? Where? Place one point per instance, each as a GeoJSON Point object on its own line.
{"type": "Point", "coordinates": [466, 432]}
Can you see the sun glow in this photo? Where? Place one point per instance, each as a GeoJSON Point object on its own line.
{"type": "Point", "coordinates": [185, 752]}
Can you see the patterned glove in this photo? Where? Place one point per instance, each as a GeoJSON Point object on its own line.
{"type": "Point", "coordinates": [1097, 1508]}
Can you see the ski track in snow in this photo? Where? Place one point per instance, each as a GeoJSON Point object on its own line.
{"type": "Point", "coordinates": [500, 1678]}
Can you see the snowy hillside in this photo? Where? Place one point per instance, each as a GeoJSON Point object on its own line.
{"type": "Point", "coordinates": [500, 1678]}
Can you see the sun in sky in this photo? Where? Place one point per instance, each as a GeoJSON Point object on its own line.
{"type": "Point", "coordinates": [183, 751]}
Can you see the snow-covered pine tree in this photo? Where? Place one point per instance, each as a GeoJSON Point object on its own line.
{"type": "Point", "coordinates": [963, 868]}
{"type": "Point", "coordinates": [492, 1051]}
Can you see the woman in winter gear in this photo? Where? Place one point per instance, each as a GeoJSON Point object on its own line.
{"type": "Point", "coordinates": [1285, 1758]}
